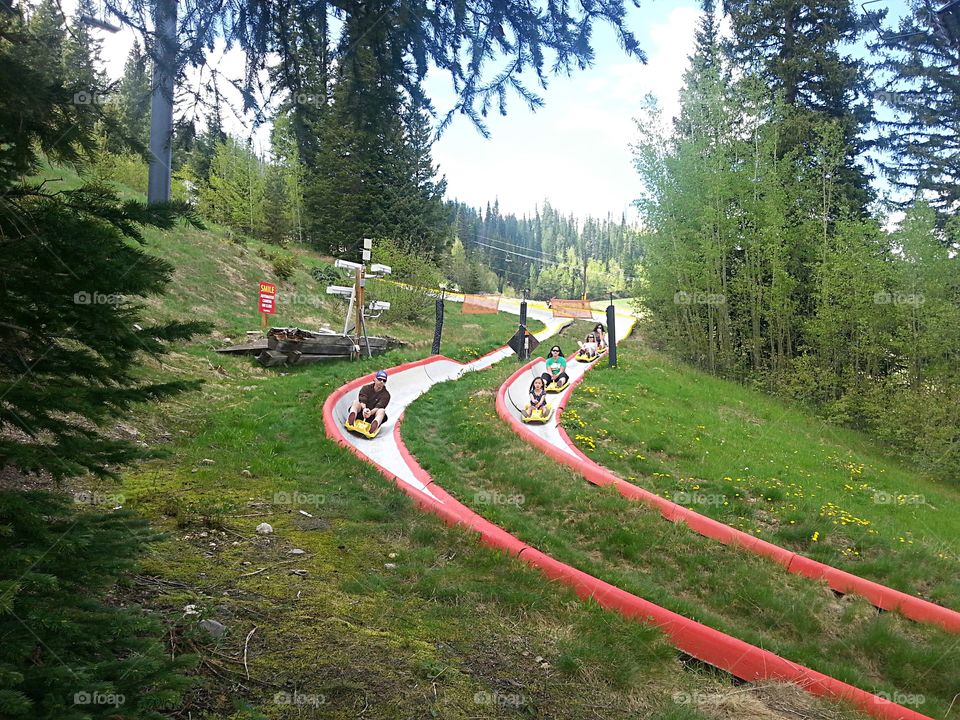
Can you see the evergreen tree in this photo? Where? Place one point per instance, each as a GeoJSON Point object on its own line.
{"type": "Point", "coordinates": [920, 143]}
{"type": "Point", "coordinates": [130, 105]}
{"type": "Point", "coordinates": [794, 48]}
{"type": "Point", "coordinates": [48, 30]}
{"type": "Point", "coordinates": [82, 55]}
{"type": "Point", "coordinates": [71, 335]}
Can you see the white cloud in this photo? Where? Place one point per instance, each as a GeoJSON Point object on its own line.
{"type": "Point", "coordinates": [573, 151]}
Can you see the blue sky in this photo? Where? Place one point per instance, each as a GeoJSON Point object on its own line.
{"type": "Point", "coordinates": [574, 151]}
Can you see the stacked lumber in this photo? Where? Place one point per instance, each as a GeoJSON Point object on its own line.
{"type": "Point", "coordinates": [295, 346]}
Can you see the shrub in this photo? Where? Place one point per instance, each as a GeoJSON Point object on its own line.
{"type": "Point", "coordinates": [284, 266]}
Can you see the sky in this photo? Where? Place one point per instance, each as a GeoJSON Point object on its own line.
{"type": "Point", "coordinates": [574, 151]}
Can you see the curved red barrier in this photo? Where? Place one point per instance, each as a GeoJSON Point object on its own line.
{"type": "Point", "coordinates": [879, 595]}
{"type": "Point", "coordinates": [739, 658]}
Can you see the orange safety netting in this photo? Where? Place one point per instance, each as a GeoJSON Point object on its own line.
{"type": "Point", "coordinates": [571, 308]}
{"type": "Point", "coordinates": [480, 304]}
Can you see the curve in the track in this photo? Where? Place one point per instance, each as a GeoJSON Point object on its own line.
{"type": "Point", "coordinates": [553, 440]}
{"type": "Point", "coordinates": [390, 456]}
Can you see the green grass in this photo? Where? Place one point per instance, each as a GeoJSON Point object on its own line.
{"type": "Point", "coordinates": [454, 433]}
{"type": "Point", "coordinates": [453, 630]}
{"type": "Point", "coordinates": [764, 466]}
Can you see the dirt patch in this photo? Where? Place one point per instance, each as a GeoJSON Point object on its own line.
{"type": "Point", "coordinates": [774, 701]}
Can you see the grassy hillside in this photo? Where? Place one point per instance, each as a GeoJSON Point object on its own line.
{"type": "Point", "coordinates": [630, 546]}
{"type": "Point", "coordinates": [767, 467]}
{"type": "Point", "coordinates": [359, 604]}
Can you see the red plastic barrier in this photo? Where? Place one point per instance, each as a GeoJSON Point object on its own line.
{"type": "Point", "coordinates": [879, 595]}
{"type": "Point", "coordinates": [739, 658]}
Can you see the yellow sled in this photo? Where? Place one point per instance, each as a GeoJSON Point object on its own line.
{"type": "Point", "coordinates": [362, 427]}
{"type": "Point", "coordinates": [538, 416]}
{"type": "Point", "coordinates": [554, 388]}
{"type": "Point", "coordinates": [584, 358]}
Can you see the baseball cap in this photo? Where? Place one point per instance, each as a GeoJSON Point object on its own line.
{"type": "Point", "coordinates": [381, 375]}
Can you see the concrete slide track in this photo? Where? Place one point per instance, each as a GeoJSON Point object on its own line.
{"type": "Point", "coordinates": [388, 453]}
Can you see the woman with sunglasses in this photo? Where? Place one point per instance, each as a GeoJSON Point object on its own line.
{"type": "Point", "coordinates": [601, 336]}
{"type": "Point", "coordinates": [556, 373]}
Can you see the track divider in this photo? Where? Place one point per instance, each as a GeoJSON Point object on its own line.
{"type": "Point", "coordinates": [881, 596]}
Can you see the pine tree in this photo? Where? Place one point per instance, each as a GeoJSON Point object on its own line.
{"type": "Point", "coordinates": [72, 332]}
{"type": "Point", "coordinates": [920, 143]}
{"type": "Point", "coordinates": [130, 105]}
{"type": "Point", "coordinates": [48, 28]}
{"type": "Point", "coordinates": [794, 49]}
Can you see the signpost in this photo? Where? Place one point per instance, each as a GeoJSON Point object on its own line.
{"type": "Point", "coordinates": [356, 310]}
{"type": "Point", "coordinates": [268, 302]}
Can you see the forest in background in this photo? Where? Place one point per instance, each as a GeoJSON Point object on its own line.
{"type": "Point", "coordinates": [767, 256]}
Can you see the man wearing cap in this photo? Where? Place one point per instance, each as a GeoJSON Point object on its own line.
{"type": "Point", "coordinates": [371, 404]}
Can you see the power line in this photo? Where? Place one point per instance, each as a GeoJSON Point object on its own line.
{"type": "Point", "coordinates": [523, 255]}
{"type": "Point", "coordinates": [510, 246]}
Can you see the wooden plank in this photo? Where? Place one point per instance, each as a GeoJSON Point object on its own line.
{"type": "Point", "coordinates": [250, 348]}
{"type": "Point", "coordinates": [271, 358]}
{"type": "Point", "coordinates": [302, 359]}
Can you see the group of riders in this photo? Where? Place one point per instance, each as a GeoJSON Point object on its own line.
{"type": "Point", "coordinates": [368, 413]}
{"type": "Point", "coordinates": [555, 377]}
